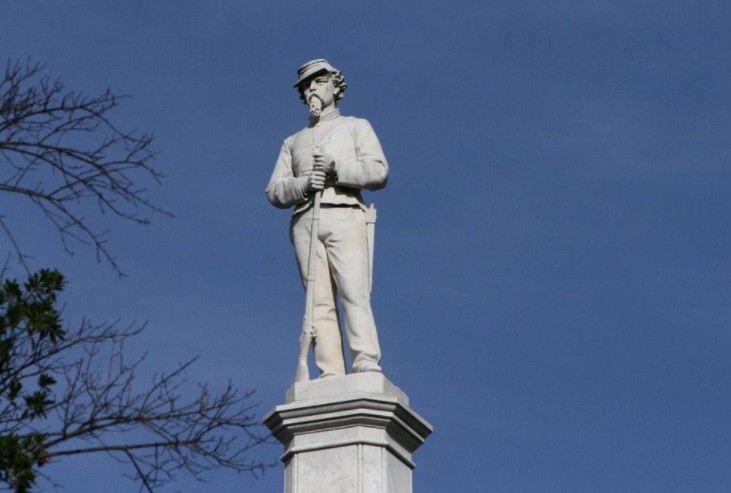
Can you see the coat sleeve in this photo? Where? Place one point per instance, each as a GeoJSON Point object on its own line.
{"type": "Point", "coordinates": [369, 169]}
{"type": "Point", "coordinates": [285, 189]}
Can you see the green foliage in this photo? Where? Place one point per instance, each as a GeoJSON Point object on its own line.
{"type": "Point", "coordinates": [30, 326]}
{"type": "Point", "coordinates": [19, 456]}
{"type": "Point", "coordinates": [97, 402]}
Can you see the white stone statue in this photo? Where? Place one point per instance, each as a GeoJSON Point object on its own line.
{"type": "Point", "coordinates": [320, 172]}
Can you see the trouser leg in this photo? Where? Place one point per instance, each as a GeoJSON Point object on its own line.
{"type": "Point", "coordinates": [348, 256]}
{"type": "Point", "coordinates": [328, 342]}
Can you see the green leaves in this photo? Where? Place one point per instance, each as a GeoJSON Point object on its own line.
{"type": "Point", "coordinates": [97, 407]}
{"type": "Point", "coordinates": [30, 327]}
{"type": "Point", "coordinates": [36, 404]}
{"type": "Point", "coordinates": [18, 457]}
{"type": "Point", "coordinates": [32, 309]}
{"type": "Point", "coordinates": [45, 380]}
{"type": "Point", "coordinates": [14, 388]}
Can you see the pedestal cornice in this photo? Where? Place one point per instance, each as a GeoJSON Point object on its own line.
{"type": "Point", "coordinates": [335, 416]}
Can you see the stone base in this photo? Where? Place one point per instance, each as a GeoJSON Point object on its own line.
{"type": "Point", "coordinates": [350, 434]}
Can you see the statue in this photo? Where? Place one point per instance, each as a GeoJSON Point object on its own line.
{"type": "Point", "coordinates": [320, 172]}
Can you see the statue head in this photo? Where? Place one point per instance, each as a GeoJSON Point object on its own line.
{"type": "Point", "coordinates": [315, 68]}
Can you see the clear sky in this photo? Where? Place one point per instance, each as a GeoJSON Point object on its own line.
{"type": "Point", "coordinates": [553, 267]}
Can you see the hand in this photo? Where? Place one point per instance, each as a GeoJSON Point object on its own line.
{"type": "Point", "coordinates": [324, 162]}
{"type": "Point", "coordinates": [316, 181]}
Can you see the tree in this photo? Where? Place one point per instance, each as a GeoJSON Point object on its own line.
{"type": "Point", "coordinates": [98, 406]}
{"type": "Point", "coordinates": [73, 391]}
{"type": "Point", "coordinates": [60, 150]}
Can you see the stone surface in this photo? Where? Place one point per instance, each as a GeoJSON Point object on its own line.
{"type": "Point", "coordinates": [354, 433]}
{"type": "Point", "coordinates": [320, 172]}
{"type": "Point", "coordinates": [358, 383]}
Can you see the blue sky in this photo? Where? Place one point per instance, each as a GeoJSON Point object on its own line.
{"type": "Point", "coordinates": [552, 269]}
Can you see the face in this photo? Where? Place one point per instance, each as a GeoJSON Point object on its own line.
{"type": "Point", "coordinates": [322, 87]}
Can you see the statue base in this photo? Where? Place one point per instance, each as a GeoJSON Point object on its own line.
{"type": "Point", "coordinates": [354, 433]}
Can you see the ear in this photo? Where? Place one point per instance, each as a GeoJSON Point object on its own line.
{"type": "Point", "coordinates": [336, 89]}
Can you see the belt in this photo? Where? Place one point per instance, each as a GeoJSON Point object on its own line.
{"type": "Point", "coordinates": [332, 206]}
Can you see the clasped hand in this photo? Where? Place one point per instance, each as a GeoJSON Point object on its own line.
{"type": "Point", "coordinates": [323, 170]}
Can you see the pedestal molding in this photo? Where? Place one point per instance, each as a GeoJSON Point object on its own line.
{"type": "Point", "coordinates": [345, 433]}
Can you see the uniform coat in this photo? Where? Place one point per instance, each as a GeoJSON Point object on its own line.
{"type": "Point", "coordinates": [342, 260]}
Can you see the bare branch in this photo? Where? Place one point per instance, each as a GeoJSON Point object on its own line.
{"type": "Point", "coordinates": [66, 393]}
{"type": "Point", "coordinates": [21, 258]}
{"type": "Point", "coordinates": [156, 429]}
{"type": "Point", "coordinates": [62, 151]}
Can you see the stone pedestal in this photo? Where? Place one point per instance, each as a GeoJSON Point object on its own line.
{"type": "Point", "coordinates": [351, 434]}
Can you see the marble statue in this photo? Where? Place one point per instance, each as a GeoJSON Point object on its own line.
{"type": "Point", "coordinates": [320, 172]}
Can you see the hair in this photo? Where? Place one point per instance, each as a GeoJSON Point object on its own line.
{"type": "Point", "coordinates": [338, 81]}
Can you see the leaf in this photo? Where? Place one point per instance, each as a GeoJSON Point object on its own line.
{"type": "Point", "coordinates": [45, 380]}
{"type": "Point", "coordinates": [14, 389]}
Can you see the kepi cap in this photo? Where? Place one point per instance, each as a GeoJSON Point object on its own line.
{"type": "Point", "coordinates": [312, 67]}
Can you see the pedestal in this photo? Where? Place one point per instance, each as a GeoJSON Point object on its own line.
{"type": "Point", "coordinates": [350, 434]}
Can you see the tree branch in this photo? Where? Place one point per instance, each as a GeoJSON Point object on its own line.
{"type": "Point", "coordinates": [65, 154]}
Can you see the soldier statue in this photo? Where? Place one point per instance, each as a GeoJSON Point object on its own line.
{"type": "Point", "coordinates": [320, 172]}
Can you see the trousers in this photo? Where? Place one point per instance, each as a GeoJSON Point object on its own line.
{"type": "Point", "coordinates": [342, 273]}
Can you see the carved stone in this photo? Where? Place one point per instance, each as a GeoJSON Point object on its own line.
{"type": "Point", "coordinates": [354, 433]}
{"type": "Point", "coordinates": [320, 173]}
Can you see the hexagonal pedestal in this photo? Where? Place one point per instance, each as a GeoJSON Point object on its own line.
{"type": "Point", "coordinates": [351, 434]}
